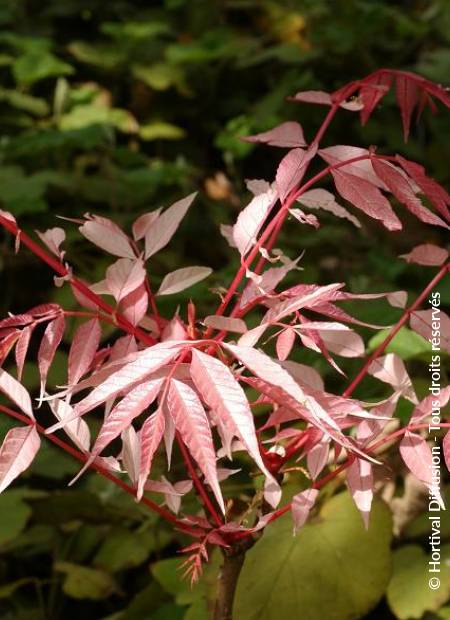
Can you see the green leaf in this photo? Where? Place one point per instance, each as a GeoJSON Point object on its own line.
{"type": "Point", "coordinates": [406, 343]}
{"type": "Point", "coordinates": [409, 594]}
{"type": "Point", "coordinates": [122, 549]}
{"type": "Point", "coordinates": [333, 568]}
{"type": "Point", "coordinates": [85, 115]}
{"type": "Point", "coordinates": [160, 130]}
{"type": "Point", "coordinates": [14, 515]}
{"type": "Point", "coordinates": [161, 76]}
{"type": "Point", "coordinates": [22, 101]}
{"type": "Point", "coordinates": [36, 65]}
{"type": "Point", "coordinates": [82, 582]}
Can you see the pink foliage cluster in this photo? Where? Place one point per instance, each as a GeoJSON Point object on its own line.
{"type": "Point", "coordinates": [190, 377]}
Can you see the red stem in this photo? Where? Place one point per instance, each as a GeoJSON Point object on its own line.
{"type": "Point", "coordinates": [80, 456]}
{"type": "Point", "coordinates": [197, 482]}
{"type": "Point", "coordinates": [85, 290]}
{"type": "Point", "coordinates": [379, 350]}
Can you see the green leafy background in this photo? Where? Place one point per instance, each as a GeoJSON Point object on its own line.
{"type": "Point", "coordinates": [123, 106]}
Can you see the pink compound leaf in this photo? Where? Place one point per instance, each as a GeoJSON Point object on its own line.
{"type": "Point", "coordinates": [360, 483]}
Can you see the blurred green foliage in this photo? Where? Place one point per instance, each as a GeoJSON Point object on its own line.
{"type": "Point", "coordinates": [119, 107]}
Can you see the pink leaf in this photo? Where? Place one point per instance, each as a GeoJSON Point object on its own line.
{"type": "Point", "coordinates": [131, 453]}
{"type": "Point", "coordinates": [402, 190]}
{"type": "Point", "coordinates": [429, 404]}
{"type": "Point", "coordinates": [83, 349]}
{"type": "Point", "coordinates": [223, 394]}
{"type": "Point", "coordinates": [145, 363]}
{"type": "Point", "coordinates": [291, 170]}
{"type": "Point", "coordinates": [77, 430]}
{"type": "Point", "coordinates": [174, 330]}
{"type": "Point", "coordinates": [285, 342]}
{"type": "Point", "coordinates": [433, 325]}
{"type": "Point", "coordinates": [162, 230]}
{"type": "Point", "coordinates": [345, 343]}
{"type": "Point", "coordinates": [16, 393]}
{"type": "Point", "coordinates": [225, 322]}
{"type": "Point", "coordinates": [391, 369]}
{"type": "Point", "coordinates": [266, 369]}
{"type": "Point", "coordinates": [434, 192]}
{"type": "Point", "coordinates": [417, 456]}
{"type": "Point", "coordinates": [50, 342]}
{"type": "Point", "coordinates": [305, 375]}
{"type": "Point", "coordinates": [307, 299]}
{"type": "Point", "coordinates": [17, 452]}
{"type": "Point", "coordinates": [321, 199]}
{"type": "Point", "coordinates": [134, 305]}
{"type": "Point", "coordinates": [313, 96]}
{"type": "Point", "coordinates": [132, 405]}
{"type": "Point", "coordinates": [407, 98]}
{"type": "Point", "coordinates": [363, 169]}
{"type": "Point", "coordinates": [124, 276]}
{"type": "Point", "coordinates": [182, 279]}
{"type": "Point", "coordinates": [143, 224]}
{"type": "Point", "coordinates": [22, 348]}
{"type": "Point", "coordinates": [366, 197]}
{"type": "Point", "coordinates": [151, 434]}
{"type": "Point", "coordinates": [372, 92]}
{"type": "Point", "coordinates": [251, 219]}
{"type": "Point", "coordinates": [53, 239]}
{"type": "Point", "coordinates": [317, 458]}
{"type": "Point", "coordinates": [191, 422]}
{"type": "Point", "coordinates": [426, 254]}
{"type": "Point", "coordinates": [289, 134]}
{"type": "Point", "coordinates": [360, 483]}
{"type": "Point", "coordinates": [302, 504]}
{"type": "Point", "coordinates": [106, 235]}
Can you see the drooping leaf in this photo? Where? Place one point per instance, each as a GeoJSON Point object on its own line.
{"type": "Point", "coordinates": [193, 425]}
{"type": "Point", "coordinates": [223, 394]}
{"type": "Point", "coordinates": [302, 504]}
{"type": "Point", "coordinates": [417, 456]}
{"type": "Point", "coordinates": [150, 437]}
{"type": "Point", "coordinates": [391, 369]}
{"type": "Point", "coordinates": [16, 392]}
{"type": "Point", "coordinates": [402, 190]}
{"type": "Point", "coordinates": [77, 429]}
{"type": "Point", "coordinates": [145, 363]}
{"type": "Point", "coordinates": [50, 342]}
{"type": "Point", "coordinates": [83, 349]}
{"type": "Point", "coordinates": [17, 452]}
{"type": "Point", "coordinates": [251, 219]}
{"type": "Point", "coordinates": [291, 170]}
{"type": "Point", "coordinates": [360, 483]}
{"type": "Point", "coordinates": [367, 197]}
{"type": "Point", "coordinates": [407, 94]}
